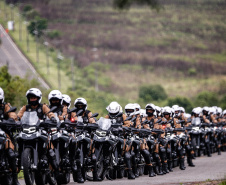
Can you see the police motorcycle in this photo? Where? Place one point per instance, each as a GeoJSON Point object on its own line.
{"type": "Point", "coordinates": [84, 134]}
{"type": "Point", "coordinates": [218, 135]}
{"type": "Point", "coordinates": [151, 142]}
{"type": "Point", "coordinates": [60, 138]}
{"type": "Point", "coordinates": [105, 147]}
{"type": "Point", "coordinates": [195, 134]}
{"type": "Point", "coordinates": [8, 126]}
{"type": "Point", "coordinates": [134, 140]}
{"type": "Point", "coordinates": [33, 140]}
{"type": "Point", "coordinates": [118, 166]}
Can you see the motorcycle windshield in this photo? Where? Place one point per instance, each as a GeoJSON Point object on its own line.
{"type": "Point", "coordinates": [30, 118]}
{"type": "Point", "coordinates": [196, 121]}
{"type": "Point", "coordinates": [104, 124]}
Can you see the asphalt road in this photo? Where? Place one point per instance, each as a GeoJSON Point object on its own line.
{"type": "Point", "coordinates": [207, 168]}
{"type": "Point", "coordinates": [17, 63]}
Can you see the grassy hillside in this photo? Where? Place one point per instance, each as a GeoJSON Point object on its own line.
{"type": "Point", "coordinates": [181, 47]}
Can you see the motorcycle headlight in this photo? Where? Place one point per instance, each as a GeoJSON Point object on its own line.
{"type": "Point", "coordinates": [101, 133]}
{"type": "Point", "coordinates": [29, 130]}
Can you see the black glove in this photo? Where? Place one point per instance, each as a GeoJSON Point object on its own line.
{"type": "Point", "coordinates": [53, 119]}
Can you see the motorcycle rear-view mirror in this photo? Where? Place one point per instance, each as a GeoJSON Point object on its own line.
{"type": "Point", "coordinates": [72, 110]}
{"type": "Point", "coordinates": [119, 114]}
{"type": "Point", "coordinates": [53, 109]}
{"type": "Point", "coordinates": [12, 109]}
{"type": "Point", "coordinates": [128, 118]}
{"type": "Point", "coordinates": [133, 119]}
{"type": "Point", "coordinates": [95, 115]}
{"type": "Point", "coordinates": [79, 113]}
{"type": "Point", "coordinates": [189, 120]}
{"type": "Point", "coordinates": [144, 122]}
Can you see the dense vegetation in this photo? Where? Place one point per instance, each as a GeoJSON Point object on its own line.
{"type": "Point", "coordinates": [181, 49]}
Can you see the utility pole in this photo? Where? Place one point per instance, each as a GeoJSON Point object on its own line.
{"type": "Point", "coordinates": [59, 57]}
{"type": "Point", "coordinates": [72, 74]}
{"type": "Point", "coordinates": [36, 38]}
{"type": "Point", "coordinates": [27, 35]}
{"type": "Point", "coordinates": [20, 30]}
{"type": "Point", "coordinates": [47, 56]}
{"type": "Point", "coordinates": [96, 70]}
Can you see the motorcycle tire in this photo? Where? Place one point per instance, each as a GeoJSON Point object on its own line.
{"type": "Point", "coordinates": [120, 173]}
{"type": "Point", "coordinates": [40, 178]}
{"type": "Point", "coordinates": [65, 178]}
{"type": "Point", "coordinates": [7, 179]}
{"type": "Point", "coordinates": [50, 178]}
{"type": "Point", "coordinates": [27, 162]}
{"type": "Point", "coordinates": [100, 169]}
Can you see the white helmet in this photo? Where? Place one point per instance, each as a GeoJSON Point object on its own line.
{"type": "Point", "coordinates": [224, 112]}
{"type": "Point", "coordinates": [219, 110]}
{"type": "Point", "coordinates": [187, 115]}
{"type": "Point", "coordinates": [55, 95]}
{"type": "Point", "coordinates": [182, 109]}
{"type": "Point", "coordinates": [66, 100]}
{"type": "Point", "coordinates": [197, 110]}
{"type": "Point", "coordinates": [205, 109]}
{"type": "Point", "coordinates": [212, 110]}
{"type": "Point", "coordinates": [130, 109]}
{"type": "Point", "coordinates": [137, 107]}
{"type": "Point", "coordinates": [2, 96]}
{"type": "Point", "coordinates": [113, 109]}
{"type": "Point", "coordinates": [158, 110]}
{"type": "Point", "coordinates": [175, 107]}
{"type": "Point", "coordinates": [143, 113]}
{"type": "Point", "coordinates": [34, 92]}
{"type": "Point", "coordinates": [81, 101]}
{"type": "Point", "coordinates": [150, 106]}
{"type": "Point", "coordinates": [166, 110]}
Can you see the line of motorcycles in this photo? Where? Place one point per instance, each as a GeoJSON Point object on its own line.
{"type": "Point", "coordinates": [32, 137]}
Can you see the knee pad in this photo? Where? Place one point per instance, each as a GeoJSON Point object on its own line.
{"type": "Point", "coordinates": [11, 154]}
{"type": "Point", "coordinates": [51, 153]}
{"type": "Point", "coordinates": [127, 155]}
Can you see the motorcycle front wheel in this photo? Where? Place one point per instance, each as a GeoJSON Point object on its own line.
{"type": "Point", "coordinates": [27, 162]}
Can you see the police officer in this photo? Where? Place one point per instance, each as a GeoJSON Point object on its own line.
{"type": "Point", "coordinates": [63, 102]}
{"type": "Point", "coordinates": [81, 105]}
{"type": "Point", "coordinates": [34, 97]}
{"type": "Point", "coordinates": [113, 113]}
{"type": "Point", "coordinates": [4, 108]}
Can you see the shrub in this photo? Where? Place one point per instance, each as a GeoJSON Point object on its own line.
{"type": "Point", "coordinates": [54, 34]}
{"type": "Point", "coordinates": [181, 101]}
{"type": "Point", "coordinates": [206, 99]}
{"type": "Point", "coordinates": [152, 93]}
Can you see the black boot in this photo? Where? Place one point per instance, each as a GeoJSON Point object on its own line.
{"type": "Point", "coordinates": [189, 160]}
{"type": "Point", "coordinates": [130, 174]}
{"type": "Point", "coordinates": [170, 165]}
{"type": "Point", "coordinates": [79, 172]}
{"type": "Point", "coordinates": [219, 150]}
{"type": "Point", "coordinates": [165, 168]}
{"type": "Point", "coordinates": [135, 171]}
{"type": "Point", "coordinates": [12, 161]}
{"type": "Point", "coordinates": [160, 170]}
{"type": "Point", "coordinates": [182, 167]}
{"type": "Point", "coordinates": [151, 171]}
{"type": "Point", "coordinates": [95, 176]}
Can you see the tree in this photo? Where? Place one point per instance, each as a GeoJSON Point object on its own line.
{"type": "Point", "coordinates": [152, 93]}
{"type": "Point", "coordinates": [37, 26]}
{"type": "Point", "coordinates": [182, 102]}
{"type": "Point", "coordinates": [206, 99]}
{"type": "Point", "coordinates": [15, 87]}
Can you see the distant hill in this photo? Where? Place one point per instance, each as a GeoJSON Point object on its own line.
{"type": "Point", "coordinates": [182, 47]}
